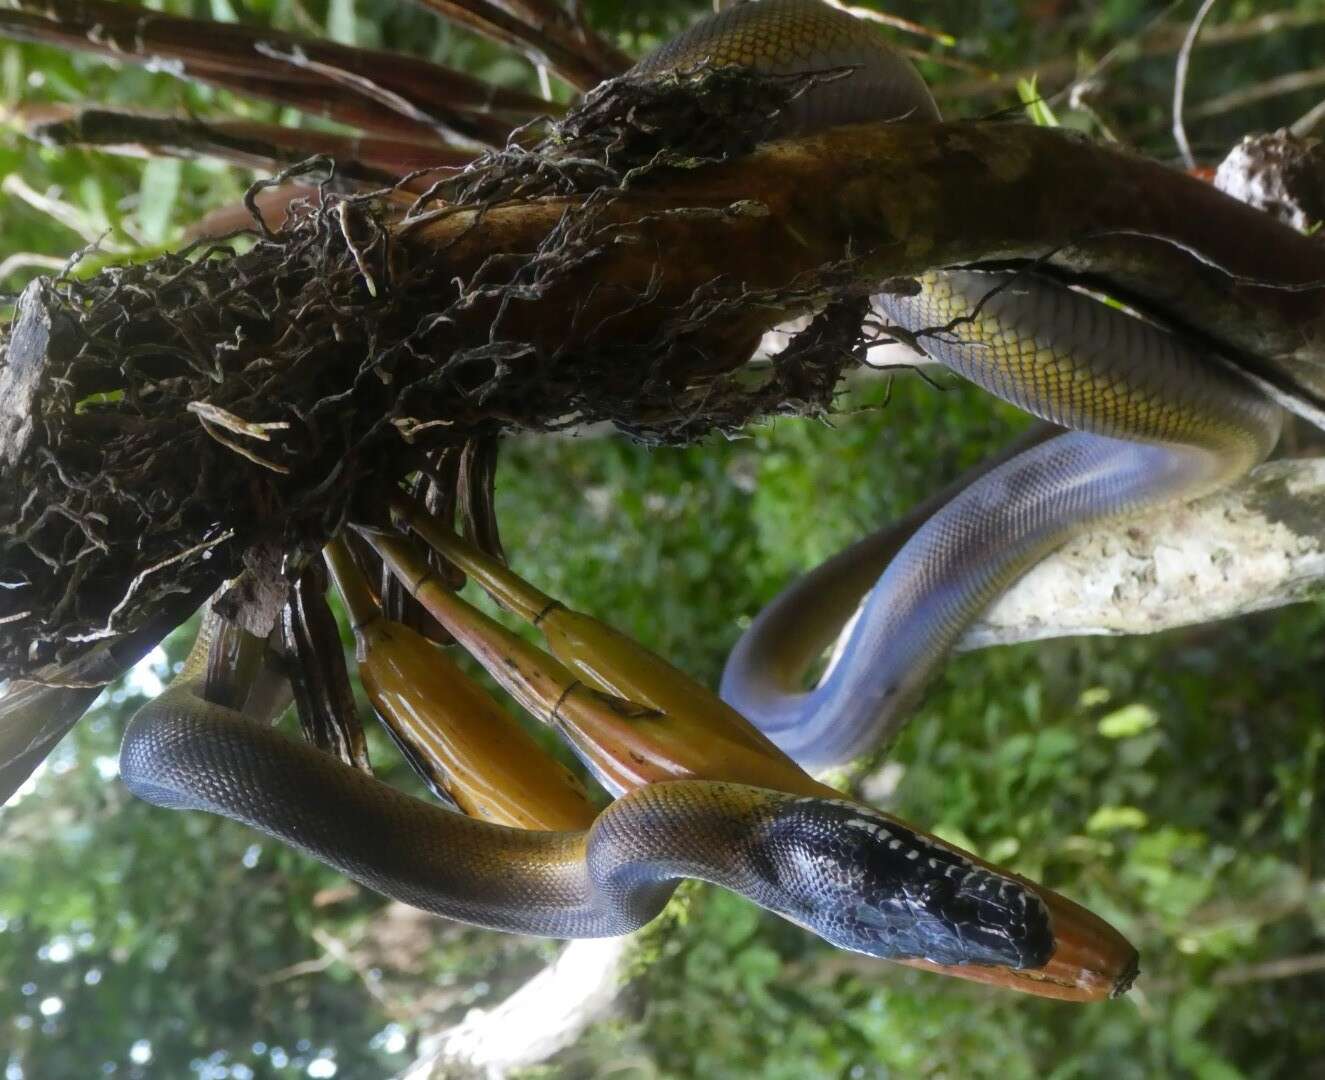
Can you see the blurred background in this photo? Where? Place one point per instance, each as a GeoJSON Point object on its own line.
{"type": "Point", "coordinates": [1168, 783]}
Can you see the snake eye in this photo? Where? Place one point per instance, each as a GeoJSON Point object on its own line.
{"type": "Point", "coordinates": [938, 891]}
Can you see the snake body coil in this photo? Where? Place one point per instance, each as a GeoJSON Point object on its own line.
{"type": "Point", "coordinates": [854, 877]}
{"type": "Point", "coordinates": [858, 879]}
{"type": "Point", "coordinates": [1152, 421]}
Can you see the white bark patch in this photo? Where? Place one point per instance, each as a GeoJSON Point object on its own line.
{"type": "Point", "coordinates": [1258, 544]}
{"type": "Point", "coordinates": [545, 1015]}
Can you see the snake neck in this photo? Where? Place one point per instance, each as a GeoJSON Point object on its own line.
{"type": "Point", "coordinates": [859, 880]}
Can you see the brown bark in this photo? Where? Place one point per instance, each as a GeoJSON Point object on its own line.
{"type": "Point", "coordinates": [902, 198]}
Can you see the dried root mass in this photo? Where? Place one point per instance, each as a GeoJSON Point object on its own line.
{"type": "Point", "coordinates": [165, 424]}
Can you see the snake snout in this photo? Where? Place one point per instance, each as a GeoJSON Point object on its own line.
{"type": "Point", "coordinates": [866, 882]}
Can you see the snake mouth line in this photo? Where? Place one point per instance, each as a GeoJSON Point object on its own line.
{"type": "Point", "coordinates": [1119, 984]}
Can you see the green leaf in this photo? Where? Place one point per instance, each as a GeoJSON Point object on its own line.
{"type": "Point", "coordinates": [1114, 818]}
{"type": "Point", "coordinates": [1036, 107]}
{"type": "Point", "coordinates": [224, 11]}
{"type": "Point", "coordinates": [1128, 721]}
{"type": "Point", "coordinates": [156, 198]}
{"type": "Point", "coordinates": [340, 22]}
{"type": "Point", "coordinates": [1093, 696]}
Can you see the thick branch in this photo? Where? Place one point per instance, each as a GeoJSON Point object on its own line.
{"type": "Point", "coordinates": [909, 197]}
{"type": "Point", "coordinates": [358, 340]}
{"type": "Point", "coordinates": [1259, 544]}
{"type": "Point", "coordinates": [544, 1016]}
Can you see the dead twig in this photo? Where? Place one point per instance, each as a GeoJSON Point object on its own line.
{"type": "Point", "coordinates": [1262, 91]}
{"type": "Point", "coordinates": [1180, 82]}
{"type": "Point", "coordinates": [1288, 967]}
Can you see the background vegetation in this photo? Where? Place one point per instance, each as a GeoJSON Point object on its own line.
{"type": "Point", "coordinates": [1171, 783]}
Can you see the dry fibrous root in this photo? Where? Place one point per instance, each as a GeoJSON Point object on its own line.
{"type": "Point", "coordinates": [168, 424]}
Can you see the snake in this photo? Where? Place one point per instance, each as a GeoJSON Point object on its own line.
{"type": "Point", "coordinates": [1150, 420]}
{"type": "Point", "coordinates": [1155, 422]}
{"type": "Point", "coordinates": [856, 878]}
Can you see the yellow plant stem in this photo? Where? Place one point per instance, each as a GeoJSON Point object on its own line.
{"type": "Point", "coordinates": [599, 652]}
{"type": "Point", "coordinates": [487, 763]}
{"type": "Point", "coordinates": [625, 742]}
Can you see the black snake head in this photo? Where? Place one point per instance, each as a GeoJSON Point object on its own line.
{"type": "Point", "coordinates": [867, 883]}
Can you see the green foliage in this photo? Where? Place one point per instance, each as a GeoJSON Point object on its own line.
{"type": "Point", "coordinates": [123, 926]}
{"type": "Point", "coordinates": [1168, 783]}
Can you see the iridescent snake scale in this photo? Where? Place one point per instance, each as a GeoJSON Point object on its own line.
{"type": "Point", "coordinates": [1151, 421]}
{"type": "Point", "coordinates": [1155, 423]}
{"type": "Point", "coordinates": [858, 878]}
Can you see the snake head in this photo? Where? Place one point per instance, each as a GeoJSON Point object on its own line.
{"type": "Point", "coordinates": [865, 882]}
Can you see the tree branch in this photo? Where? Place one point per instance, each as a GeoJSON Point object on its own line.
{"type": "Point", "coordinates": [378, 91]}
{"type": "Point", "coordinates": [544, 1016]}
{"type": "Point", "coordinates": [370, 338]}
{"type": "Point", "coordinates": [1256, 545]}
